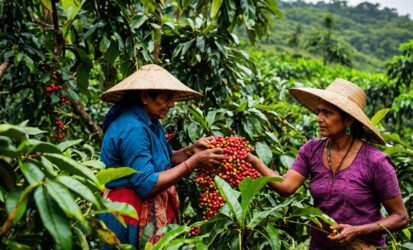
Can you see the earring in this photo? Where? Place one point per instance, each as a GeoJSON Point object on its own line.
{"type": "Point", "coordinates": [348, 131]}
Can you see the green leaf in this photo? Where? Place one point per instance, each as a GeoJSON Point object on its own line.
{"type": "Point", "coordinates": [109, 174]}
{"type": "Point", "coordinates": [79, 188]}
{"type": "Point", "coordinates": [137, 21]}
{"type": "Point", "coordinates": [64, 199]}
{"type": "Point", "coordinates": [216, 5]}
{"type": "Point", "coordinates": [169, 236]}
{"type": "Point", "coordinates": [13, 245]}
{"type": "Point", "coordinates": [264, 152]}
{"type": "Point", "coordinates": [249, 188]}
{"type": "Point", "coordinates": [53, 219]}
{"type": "Point", "coordinates": [31, 171]}
{"type": "Point", "coordinates": [94, 164]}
{"type": "Point", "coordinates": [194, 131]}
{"type": "Point", "coordinates": [12, 131]}
{"type": "Point", "coordinates": [230, 197]}
{"type": "Point", "coordinates": [286, 160]}
{"type": "Point", "coordinates": [259, 216]}
{"type": "Point", "coordinates": [211, 118]}
{"type": "Point", "coordinates": [379, 116]}
{"type": "Point", "coordinates": [71, 7]}
{"type": "Point", "coordinates": [22, 202]}
{"type": "Point", "coordinates": [104, 44]}
{"type": "Point", "coordinates": [218, 228]}
{"type": "Point", "coordinates": [71, 166]}
{"type": "Point", "coordinates": [82, 239]}
{"type": "Point", "coordinates": [242, 107]}
{"type": "Point", "coordinates": [43, 147]}
{"type": "Point", "coordinates": [48, 166]}
{"type": "Point", "coordinates": [47, 4]}
{"type": "Point", "coordinates": [273, 235]}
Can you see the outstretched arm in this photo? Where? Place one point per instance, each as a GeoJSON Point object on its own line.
{"type": "Point", "coordinates": [292, 179]}
{"type": "Point", "coordinates": [397, 219]}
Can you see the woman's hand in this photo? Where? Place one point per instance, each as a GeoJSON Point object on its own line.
{"type": "Point", "coordinates": [346, 234]}
{"type": "Point", "coordinates": [202, 144]}
{"type": "Point", "coordinates": [206, 158]}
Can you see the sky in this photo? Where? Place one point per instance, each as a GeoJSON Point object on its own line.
{"type": "Point", "coordinates": [403, 7]}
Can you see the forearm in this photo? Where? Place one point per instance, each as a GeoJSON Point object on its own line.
{"type": "Point", "coordinates": [181, 155]}
{"type": "Point", "coordinates": [392, 222]}
{"type": "Point", "coordinates": [169, 177]}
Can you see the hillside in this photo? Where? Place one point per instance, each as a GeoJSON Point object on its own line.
{"type": "Point", "coordinates": [371, 34]}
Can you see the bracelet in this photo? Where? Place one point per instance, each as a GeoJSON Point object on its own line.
{"type": "Point", "coordinates": [187, 167]}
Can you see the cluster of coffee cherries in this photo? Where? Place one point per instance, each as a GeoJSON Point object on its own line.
{"type": "Point", "coordinates": [59, 131]}
{"type": "Point", "coordinates": [233, 170]}
{"type": "Point", "coordinates": [52, 88]}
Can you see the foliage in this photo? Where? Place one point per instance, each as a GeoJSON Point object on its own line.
{"type": "Point", "coordinates": [49, 195]}
{"type": "Point", "coordinates": [372, 33]}
{"type": "Point", "coordinates": [247, 221]}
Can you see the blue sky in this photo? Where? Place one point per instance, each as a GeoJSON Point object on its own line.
{"type": "Point", "coordinates": [403, 7]}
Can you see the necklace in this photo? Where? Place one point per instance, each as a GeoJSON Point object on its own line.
{"type": "Point", "coordinates": [330, 164]}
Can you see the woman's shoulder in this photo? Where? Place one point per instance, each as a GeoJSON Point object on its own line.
{"type": "Point", "coordinates": [373, 153]}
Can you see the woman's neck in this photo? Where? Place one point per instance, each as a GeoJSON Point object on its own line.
{"type": "Point", "coordinates": [341, 143]}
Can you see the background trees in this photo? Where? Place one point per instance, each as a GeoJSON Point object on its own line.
{"type": "Point", "coordinates": [59, 56]}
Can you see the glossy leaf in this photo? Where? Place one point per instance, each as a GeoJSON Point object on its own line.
{"type": "Point", "coordinates": [109, 174]}
{"type": "Point", "coordinates": [65, 200]}
{"type": "Point", "coordinates": [230, 197]}
{"type": "Point", "coordinates": [31, 171]}
{"type": "Point", "coordinates": [169, 236]}
{"type": "Point", "coordinates": [273, 235]}
{"type": "Point", "coordinates": [71, 166]}
{"type": "Point", "coordinates": [40, 146]}
{"type": "Point", "coordinates": [249, 188]}
{"type": "Point", "coordinates": [79, 188]}
{"type": "Point", "coordinates": [264, 152]}
{"type": "Point", "coordinates": [53, 219]}
{"type": "Point", "coordinates": [376, 119]}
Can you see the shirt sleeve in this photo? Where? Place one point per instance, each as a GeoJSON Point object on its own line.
{"type": "Point", "coordinates": [301, 162]}
{"type": "Point", "coordinates": [385, 181]}
{"type": "Point", "coordinates": [135, 153]}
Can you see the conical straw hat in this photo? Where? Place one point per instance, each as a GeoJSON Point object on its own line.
{"type": "Point", "coordinates": [343, 94]}
{"type": "Point", "coordinates": [152, 77]}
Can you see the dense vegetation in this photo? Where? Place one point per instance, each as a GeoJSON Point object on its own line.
{"type": "Point", "coordinates": [369, 32]}
{"type": "Point", "coordinates": [58, 57]}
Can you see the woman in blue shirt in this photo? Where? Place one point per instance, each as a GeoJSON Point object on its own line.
{"type": "Point", "coordinates": [134, 137]}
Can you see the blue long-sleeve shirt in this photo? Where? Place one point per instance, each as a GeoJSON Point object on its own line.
{"type": "Point", "coordinates": [133, 140]}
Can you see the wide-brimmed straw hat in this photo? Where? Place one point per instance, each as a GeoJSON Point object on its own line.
{"type": "Point", "coordinates": [150, 77]}
{"type": "Point", "coordinates": [343, 94]}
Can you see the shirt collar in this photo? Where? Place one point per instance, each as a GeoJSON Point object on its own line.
{"type": "Point", "coordinates": [144, 117]}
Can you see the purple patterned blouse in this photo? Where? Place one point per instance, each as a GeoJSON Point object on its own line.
{"type": "Point", "coordinates": [355, 194]}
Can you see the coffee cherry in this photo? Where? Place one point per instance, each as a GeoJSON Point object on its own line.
{"type": "Point", "coordinates": [233, 170]}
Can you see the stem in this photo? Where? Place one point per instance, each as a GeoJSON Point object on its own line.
{"type": "Point", "coordinates": [301, 223]}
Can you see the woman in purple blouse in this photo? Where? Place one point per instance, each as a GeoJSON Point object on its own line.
{"type": "Point", "coordinates": [349, 178]}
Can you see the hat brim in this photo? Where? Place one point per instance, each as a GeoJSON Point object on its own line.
{"type": "Point", "coordinates": [309, 98]}
{"type": "Point", "coordinates": [150, 77]}
{"type": "Point", "coordinates": [182, 95]}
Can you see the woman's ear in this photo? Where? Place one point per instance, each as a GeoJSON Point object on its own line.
{"type": "Point", "coordinates": [349, 120]}
{"type": "Point", "coordinates": [143, 95]}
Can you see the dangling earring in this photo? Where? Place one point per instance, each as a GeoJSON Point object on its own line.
{"type": "Point", "coordinates": [348, 131]}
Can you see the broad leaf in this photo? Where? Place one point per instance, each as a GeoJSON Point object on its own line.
{"type": "Point", "coordinates": [71, 166]}
{"type": "Point", "coordinates": [64, 199]}
{"type": "Point", "coordinates": [230, 197]}
{"type": "Point", "coordinates": [376, 119]}
{"type": "Point", "coordinates": [109, 174]}
{"type": "Point", "coordinates": [273, 235]}
{"type": "Point", "coordinates": [53, 219]}
{"type": "Point", "coordinates": [31, 171]}
{"type": "Point", "coordinates": [66, 144]}
{"type": "Point", "coordinates": [249, 188]}
{"type": "Point", "coordinates": [79, 188]}
{"type": "Point", "coordinates": [169, 236]}
{"type": "Point", "coordinates": [264, 152]}
{"type": "Point", "coordinates": [43, 147]}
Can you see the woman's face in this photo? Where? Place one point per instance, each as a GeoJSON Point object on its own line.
{"type": "Point", "coordinates": [330, 120]}
{"type": "Point", "coordinates": [159, 106]}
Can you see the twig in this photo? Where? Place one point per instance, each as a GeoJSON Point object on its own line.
{"type": "Point", "coordinates": [3, 67]}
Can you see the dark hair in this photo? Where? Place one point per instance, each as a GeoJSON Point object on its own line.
{"type": "Point", "coordinates": [356, 127]}
{"type": "Point", "coordinates": [131, 98]}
